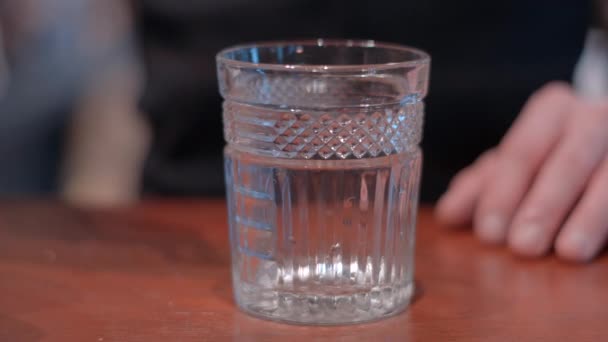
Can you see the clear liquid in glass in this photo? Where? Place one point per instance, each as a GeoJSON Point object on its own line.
{"type": "Point", "coordinates": [322, 241]}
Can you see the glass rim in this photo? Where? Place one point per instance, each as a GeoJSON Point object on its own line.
{"type": "Point", "coordinates": [421, 57]}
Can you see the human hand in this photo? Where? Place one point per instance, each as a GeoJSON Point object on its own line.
{"type": "Point", "coordinates": [545, 185]}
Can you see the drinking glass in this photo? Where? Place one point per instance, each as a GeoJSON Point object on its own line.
{"type": "Point", "coordinates": [322, 169]}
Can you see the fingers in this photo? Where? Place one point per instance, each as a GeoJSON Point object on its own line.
{"type": "Point", "coordinates": [560, 182]}
{"type": "Point", "coordinates": [585, 232]}
{"type": "Point", "coordinates": [456, 206]}
{"type": "Point", "coordinates": [549, 174]}
{"type": "Point", "coordinates": [519, 156]}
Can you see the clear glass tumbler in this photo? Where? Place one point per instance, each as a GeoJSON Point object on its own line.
{"type": "Point", "coordinates": [322, 172]}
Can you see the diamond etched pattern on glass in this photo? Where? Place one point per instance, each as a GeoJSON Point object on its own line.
{"type": "Point", "coordinates": [331, 135]}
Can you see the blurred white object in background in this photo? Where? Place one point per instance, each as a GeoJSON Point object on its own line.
{"type": "Point", "coordinates": [107, 138]}
{"type": "Point", "coordinates": [591, 73]}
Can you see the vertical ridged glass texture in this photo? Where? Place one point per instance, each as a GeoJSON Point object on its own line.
{"type": "Point", "coordinates": [322, 171]}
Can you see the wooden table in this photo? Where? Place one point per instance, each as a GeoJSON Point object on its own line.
{"type": "Point", "coordinates": [160, 272]}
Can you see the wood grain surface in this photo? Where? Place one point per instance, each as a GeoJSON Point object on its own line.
{"type": "Point", "coordinates": [159, 271]}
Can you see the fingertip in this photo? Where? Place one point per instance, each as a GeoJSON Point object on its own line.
{"type": "Point", "coordinates": [527, 240]}
{"type": "Point", "coordinates": [491, 228]}
{"type": "Point", "coordinates": [448, 213]}
{"type": "Point", "coordinates": [456, 207]}
{"type": "Point", "coordinates": [575, 246]}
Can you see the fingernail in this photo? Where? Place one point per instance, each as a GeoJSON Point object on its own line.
{"type": "Point", "coordinates": [492, 228]}
{"type": "Point", "coordinates": [527, 239]}
{"type": "Point", "coordinates": [578, 246]}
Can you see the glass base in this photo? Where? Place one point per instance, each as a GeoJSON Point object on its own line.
{"type": "Point", "coordinates": [310, 309]}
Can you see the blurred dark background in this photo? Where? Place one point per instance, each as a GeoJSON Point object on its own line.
{"type": "Point", "coordinates": [102, 101]}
